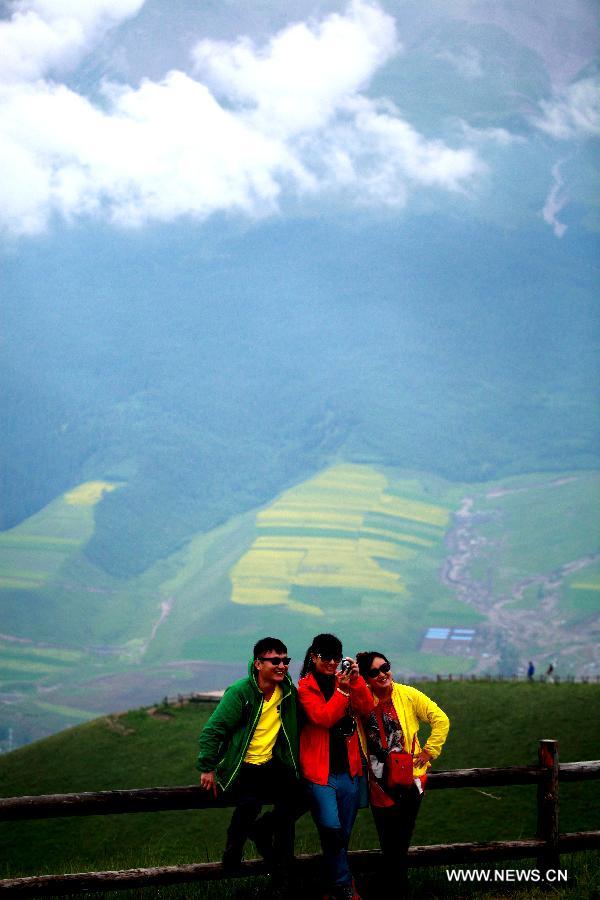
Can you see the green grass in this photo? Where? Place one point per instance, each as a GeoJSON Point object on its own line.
{"type": "Point", "coordinates": [547, 522]}
{"type": "Point", "coordinates": [492, 725]}
{"type": "Point", "coordinates": [581, 599]}
{"type": "Point", "coordinates": [582, 869]}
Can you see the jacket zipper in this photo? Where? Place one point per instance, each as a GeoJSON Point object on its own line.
{"type": "Point", "coordinates": [287, 738]}
{"type": "Point", "coordinates": [243, 753]}
{"type": "Point", "coordinates": [415, 736]}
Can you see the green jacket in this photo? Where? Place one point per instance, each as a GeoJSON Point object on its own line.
{"type": "Point", "coordinates": [225, 737]}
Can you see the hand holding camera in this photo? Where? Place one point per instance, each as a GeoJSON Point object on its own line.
{"type": "Point", "coordinates": [347, 674]}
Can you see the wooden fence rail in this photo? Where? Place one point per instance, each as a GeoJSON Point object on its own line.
{"type": "Point", "coordinates": [546, 846]}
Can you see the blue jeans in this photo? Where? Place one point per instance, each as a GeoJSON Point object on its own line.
{"type": "Point", "coordinates": [334, 806]}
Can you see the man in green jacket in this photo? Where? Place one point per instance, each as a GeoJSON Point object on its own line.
{"type": "Point", "coordinates": [249, 750]}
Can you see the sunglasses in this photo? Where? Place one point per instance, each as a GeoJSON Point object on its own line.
{"type": "Point", "coordinates": [373, 673]}
{"type": "Point", "coordinates": [328, 657]}
{"type": "Point", "coordinates": [275, 660]}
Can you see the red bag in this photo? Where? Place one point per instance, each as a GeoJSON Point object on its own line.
{"type": "Point", "coordinates": [399, 768]}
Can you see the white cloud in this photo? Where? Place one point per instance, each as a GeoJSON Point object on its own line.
{"type": "Point", "coordinates": [254, 124]}
{"type": "Point", "coordinates": [498, 136]}
{"type": "Point", "coordinates": [45, 35]}
{"type": "Point", "coordinates": [555, 201]}
{"type": "Point", "coordinates": [466, 62]}
{"type": "Point", "coordinates": [574, 112]}
{"type": "Point", "coordinates": [299, 79]}
{"type": "Point", "coordinates": [382, 136]}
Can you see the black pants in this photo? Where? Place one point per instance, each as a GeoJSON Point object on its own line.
{"type": "Point", "coordinates": [255, 786]}
{"type": "Point", "coordinates": [395, 825]}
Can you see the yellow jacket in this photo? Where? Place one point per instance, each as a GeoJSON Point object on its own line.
{"type": "Point", "coordinates": [413, 706]}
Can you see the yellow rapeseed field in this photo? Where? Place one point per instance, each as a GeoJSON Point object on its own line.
{"type": "Point", "coordinates": [20, 583]}
{"type": "Point", "coordinates": [338, 500]}
{"type": "Point", "coordinates": [89, 493]}
{"type": "Point", "coordinates": [309, 518]}
{"type": "Point", "coordinates": [399, 536]}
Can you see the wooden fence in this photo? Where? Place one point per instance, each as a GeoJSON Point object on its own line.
{"type": "Point", "coordinates": [546, 847]}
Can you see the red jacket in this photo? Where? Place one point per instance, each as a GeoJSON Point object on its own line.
{"type": "Point", "coordinates": [321, 714]}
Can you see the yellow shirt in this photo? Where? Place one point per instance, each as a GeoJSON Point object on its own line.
{"type": "Point", "coordinates": [260, 749]}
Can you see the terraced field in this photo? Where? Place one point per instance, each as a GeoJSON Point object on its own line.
{"type": "Point", "coordinates": [34, 552]}
{"type": "Point", "coordinates": [339, 531]}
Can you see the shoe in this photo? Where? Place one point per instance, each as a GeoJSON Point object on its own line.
{"type": "Point", "coordinates": [262, 837]}
{"type": "Point", "coordinates": [232, 859]}
{"type": "Point", "coordinates": [280, 883]}
{"type": "Point", "coordinates": [345, 892]}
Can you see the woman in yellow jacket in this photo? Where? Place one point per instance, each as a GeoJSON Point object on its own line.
{"type": "Point", "coordinates": [392, 725]}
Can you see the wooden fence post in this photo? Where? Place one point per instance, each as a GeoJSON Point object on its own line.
{"type": "Point", "coordinates": [547, 805]}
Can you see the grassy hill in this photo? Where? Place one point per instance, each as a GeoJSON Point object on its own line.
{"type": "Point", "coordinates": [492, 724]}
{"type": "Point", "coordinates": [379, 555]}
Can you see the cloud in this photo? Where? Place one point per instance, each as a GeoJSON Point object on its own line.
{"type": "Point", "coordinates": [466, 62]}
{"type": "Point", "coordinates": [574, 112]}
{"type": "Point", "coordinates": [395, 155]}
{"type": "Point", "coordinates": [45, 35]}
{"type": "Point", "coordinates": [250, 126]}
{"type": "Point", "coordinates": [500, 136]}
{"type": "Point", "coordinates": [555, 201]}
{"type": "Point", "coordinates": [298, 80]}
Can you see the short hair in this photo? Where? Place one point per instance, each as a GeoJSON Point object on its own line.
{"type": "Point", "coordinates": [321, 643]}
{"type": "Point", "coordinates": [268, 643]}
{"type": "Point", "coordinates": [365, 660]}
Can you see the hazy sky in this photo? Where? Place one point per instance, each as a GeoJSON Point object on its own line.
{"type": "Point", "coordinates": [136, 112]}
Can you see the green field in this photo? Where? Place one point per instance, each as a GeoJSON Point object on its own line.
{"type": "Point", "coordinates": [542, 520]}
{"type": "Point", "coordinates": [492, 724]}
{"type": "Point", "coordinates": [356, 549]}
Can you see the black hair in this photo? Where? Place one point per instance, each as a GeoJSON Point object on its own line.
{"type": "Point", "coordinates": [269, 643]}
{"type": "Point", "coordinates": [365, 660]}
{"type": "Point", "coordinates": [321, 643]}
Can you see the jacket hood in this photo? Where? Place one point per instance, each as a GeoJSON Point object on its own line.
{"type": "Point", "coordinates": [252, 676]}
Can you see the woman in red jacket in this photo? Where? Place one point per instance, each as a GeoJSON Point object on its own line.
{"type": "Point", "coordinates": [330, 755]}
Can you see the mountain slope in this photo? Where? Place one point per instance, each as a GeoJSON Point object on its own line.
{"type": "Point", "coordinates": [491, 725]}
{"type": "Point", "coordinates": [208, 372]}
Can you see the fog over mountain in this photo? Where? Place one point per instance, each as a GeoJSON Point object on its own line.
{"type": "Point", "coordinates": [243, 239]}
